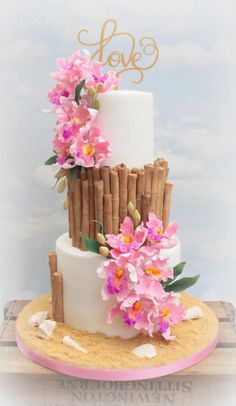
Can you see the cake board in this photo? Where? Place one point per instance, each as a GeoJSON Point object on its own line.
{"type": "Point", "coordinates": [54, 355]}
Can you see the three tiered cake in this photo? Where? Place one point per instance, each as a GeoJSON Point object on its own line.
{"type": "Point", "coordinates": [115, 276]}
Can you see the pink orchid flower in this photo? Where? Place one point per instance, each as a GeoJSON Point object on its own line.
{"type": "Point", "coordinates": [158, 237]}
{"type": "Point", "coordinates": [156, 231]}
{"type": "Point", "coordinates": [137, 311]}
{"type": "Point", "coordinates": [56, 93]}
{"type": "Point", "coordinates": [129, 239]}
{"type": "Point", "coordinates": [120, 275]}
{"type": "Point", "coordinates": [171, 311]}
{"type": "Point", "coordinates": [90, 149]}
{"type": "Point", "coordinates": [106, 81]}
{"type": "Point", "coordinates": [151, 272]}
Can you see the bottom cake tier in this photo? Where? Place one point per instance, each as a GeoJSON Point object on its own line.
{"type": "Point", "coordinates": [113, 357]}
{"type": "Point", "coordinates": [84, 307]}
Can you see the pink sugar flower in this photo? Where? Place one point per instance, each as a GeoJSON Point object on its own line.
{"type": "Point", "coordinates": [56, 93]}
{"type": "Point", "coordinates": [129, 239]}
{"type": "Point", "coordinates": [158, 268]}
{"type": "Point", "coordinates": [158, 237]}
{"type": "Point", "coordinates": [151, 272]}
{"type": "Point", "coordinates": [90, 149]}
{"type": "Point", "coordinates": [71, 115]}
{"type": "Point", "coordinates": [120, 277]}
{"type": "Point", "coordinates": [171, 311]}
{"type": "Point", "coordinates": [106, 81]}
{"type": "Point", "coordinates": [137, 311]}
{"type": "Point", "coordinates": [156, 231]}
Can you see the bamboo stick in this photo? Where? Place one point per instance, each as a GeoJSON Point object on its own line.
{"type": "Point", "coordinates": [85, 210]}
{"type": "Point", "coordinates": [160, 191]}
{"type": "Point", "coordinates": [115, 201]}
{"type": "Point", "coordinates": [91, 204]}
{"type": "Point", "coordinates": [145, 207]}
{"type": "Point", "coordinates": [105, 174]}
{"type": "Point", "coordinates": [153, 207]}
{"type": "Point", "coordinates": [167, 204]}
{"type": "Point", "coordinates": [52, 261]}
{"type": "Point", "coordinates": [108, 214]}
{"type": "Point", "coordinates": [132, 186]}
{"type": "Point", "coordinates": [123, 178]}
{"type": "Point", "coordinates": [72, 213]}
{"type": "Point", "coordinates": [98, 199]}
{"type": "Point", "coordinates": [69, 209]}
{"type": "Point", "coordinates": [57, 297]}
{"type": "Point", "coordinates": [77, 212]}
{"type": "Point", "coordinates": [163, 163]}
{"type": "Point", "coordinates": [140, 189]}
{"type": "Point", "coordinates": [96, 174]}
{"type": "Point", "coordinates": [148, 169]}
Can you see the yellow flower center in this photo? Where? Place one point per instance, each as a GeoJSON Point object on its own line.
{"type": "Point", "coordinates": [153, 271]}
{"type": "Point", "coordinates": [127, 239]}
{"type": "Point", "coordinates": [158, 231]}
{"type": "Point", "coordinates": [119, 274]}
{"type": "Point", "coordinates": [76, 121]}
{"type": "Point", "coordinates": [165, 314]}
{"type": "Point", "coordinates": [88, 150]}
{"type": "Point", "coordinates": [137, 305]}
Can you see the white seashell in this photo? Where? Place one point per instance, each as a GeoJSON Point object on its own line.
{"type": "Point", "coordinates": [37, 318]}
{"type": "Point", "coordinates": [145, 350]}
{"type": "Point", "coordinates": [67, 340]}
{"type": "Point", "coordinates": [194, 312]}
{"type": "Point", "coordinates": [46, 329]}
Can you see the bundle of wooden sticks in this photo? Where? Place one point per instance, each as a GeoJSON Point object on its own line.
{"type": "Point", "coordinates": [103, 194]}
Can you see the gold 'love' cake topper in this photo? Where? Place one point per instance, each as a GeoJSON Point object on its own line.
{"type": "Point", "coordinates": [131, 60]}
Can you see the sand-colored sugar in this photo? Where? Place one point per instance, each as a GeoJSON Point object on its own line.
{"type": "Point", "coordinates": [110, 353]}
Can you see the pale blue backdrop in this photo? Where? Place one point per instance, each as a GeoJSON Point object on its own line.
{"type": "Point", "coordinates": [194, 87]}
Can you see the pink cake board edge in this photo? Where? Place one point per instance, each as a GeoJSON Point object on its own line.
{"type": "Point", "coordinates": [116, 374]}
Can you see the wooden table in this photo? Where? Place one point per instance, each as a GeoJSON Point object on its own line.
{"type": "Point", "coordinates": [213, 380]}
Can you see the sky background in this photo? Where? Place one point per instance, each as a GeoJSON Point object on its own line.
{"type": "Point", "coordinates": [194, 87]}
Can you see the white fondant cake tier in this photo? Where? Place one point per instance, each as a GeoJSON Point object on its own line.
{"type": "Point", "coordinates": [84, 307]}
{"type": "Point", "coordinates": [126, 119]}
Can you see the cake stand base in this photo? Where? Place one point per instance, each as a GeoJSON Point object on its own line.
{"type": "Point", "coordinates": [54, 355]}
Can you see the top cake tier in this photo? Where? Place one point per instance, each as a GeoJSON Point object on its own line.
{"type": "Point", "coordinates": [125, 118]}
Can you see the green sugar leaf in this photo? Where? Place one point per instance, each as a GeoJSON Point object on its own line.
{"type": "Point", "coordinates": [74, 173]}
{"type": "Point", "coordinates": [51, 160]}
{"type": "Point", "coordinates": [181, 284]}
{"type": "Point", "coordinates": [178, 269]}
{"type": "Point", "coordinates": [78, 90]}
{"type": "Point", "coordinates": [91, 245]}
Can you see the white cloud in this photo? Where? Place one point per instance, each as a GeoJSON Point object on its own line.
{"type": "Point", "coordinates": [201, 143]}
{"type": "Point", "coordinates": [22, 49]}
{"type": "Point", "coordinates": [43, 175]}
{"type": "Point", "coordinates": [187, 54]}
{"type": "Point", "coordinates": [183, 167]}
{"type": "Point", "coordinates": [183, 54]}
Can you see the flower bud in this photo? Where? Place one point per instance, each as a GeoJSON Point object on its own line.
{"type": "Point", "coordinates": [96, 104]}
{"type": "Point", "coordinates": [100, 88]}
{"type": "Point", "coordinates": [62, 172]}
{"type": "Point", "coordinates": [91, 91]}
{"type": "Point", "coordinates": [101, 239]}
{"type": "Point", "coordinates": [66, 203]}
{"type": "Point", "coordinates": [131, 208]}
{"type": "Point", "coordinates": [61, 186]}
{"type": "Point", "coordinates": [136, 217]}
{"type": "Point", "coordinates": [104, 251]}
